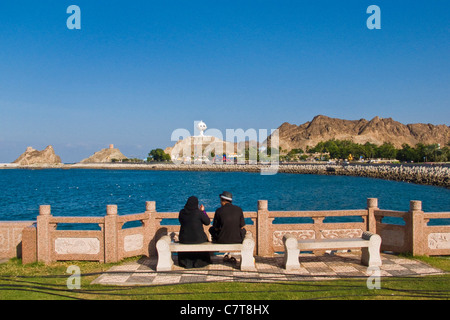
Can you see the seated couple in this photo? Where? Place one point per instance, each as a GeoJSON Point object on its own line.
{"type": "Point", "coordinates": [228, 227]}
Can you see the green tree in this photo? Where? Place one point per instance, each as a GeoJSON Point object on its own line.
{"type": "Point", "coordinates": [340, 149]}
{"type": "Point", "coordinates": [158, 155]}
{"type": "Point", "coordinates": [334, 147]}
{"type": "Point", "coordinates": [370, 150]}
{"type": "Point", "coordinates": [387, 151]}
{"type": "Point", "coordinates": [421, 152]}
{"type": "Point", "coordinates": [433, 152]}
{"type": "Point", "coordinates": [446, 153]}
{"type": "Point", "coordinates": [406, 153]}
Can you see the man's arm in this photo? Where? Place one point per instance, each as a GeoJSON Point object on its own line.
{"type": "Point", "coordinates": [216, 220]}
{"type": "Point", "coordinates": [242, 219]}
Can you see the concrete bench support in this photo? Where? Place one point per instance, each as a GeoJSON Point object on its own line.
{"type": "Point", "coordinates": [165, 248]}
{"type": "Point", "coordinates": [369, 243]}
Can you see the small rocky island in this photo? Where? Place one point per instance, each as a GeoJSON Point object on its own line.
{"type": "Point", "coordinates": [35, 157]}
{"type": "Point", "coordinates": [106, 155]}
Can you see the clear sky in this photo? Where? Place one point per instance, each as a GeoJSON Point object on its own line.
{"type": "Point", "coordinates": [137, 70]}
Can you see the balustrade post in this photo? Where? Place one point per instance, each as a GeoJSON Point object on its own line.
{"type": "Point", "coordinates": [264, 232]}
{"type": "Point", "coordinates": [150, 228]}
{"type": "Point", "coordinates": [372, 205]}
{"type": "Point", "coordinates": [111, 234]}
{"type": "Point", "coordinates": [318, 226]}
{"type": "Point", "coordinates": [417, 226]}
{"type": "Point", "coordinates": [29, 244]}
{"type": "Point", "coordinates": [43, 234]}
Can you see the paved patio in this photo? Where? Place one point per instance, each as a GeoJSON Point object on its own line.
{"type": "Point", "coordinates": [313, 267]}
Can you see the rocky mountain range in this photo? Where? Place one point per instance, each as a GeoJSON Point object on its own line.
{"type": "Point", "coordinates": [376, 131]}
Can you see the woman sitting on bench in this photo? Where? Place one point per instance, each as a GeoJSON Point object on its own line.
{"type": "Point", "coordinates": [192, 218]}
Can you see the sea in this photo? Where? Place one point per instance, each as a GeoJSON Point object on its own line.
{"type": "Point", "coordinates": [87, 192]}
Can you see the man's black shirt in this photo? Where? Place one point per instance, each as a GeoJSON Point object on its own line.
{"type": "Point", "coordinates": [228, 221]}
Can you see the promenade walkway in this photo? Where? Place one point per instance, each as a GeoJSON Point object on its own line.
{"type": "Point", "coordinates": [313, 268]}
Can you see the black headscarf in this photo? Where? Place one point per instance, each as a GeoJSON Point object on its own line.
{"type": "Point", "coordinates": [191, 204]}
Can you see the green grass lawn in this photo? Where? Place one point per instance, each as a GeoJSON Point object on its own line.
{"type": "Point", "coordinates": [40, 282]}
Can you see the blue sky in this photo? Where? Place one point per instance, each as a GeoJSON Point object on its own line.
{"type": "Point", "coordinates": [137, 70]}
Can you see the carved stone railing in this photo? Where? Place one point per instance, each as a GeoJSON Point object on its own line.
{"type": "Point", "coordinates": [436, 238]}
{"type": "Point", "coordinates": [318, 228]}
{"type": "Point", "coordinates": [42, 241]}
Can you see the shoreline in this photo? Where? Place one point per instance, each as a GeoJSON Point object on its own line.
{"type": "Point", "coordinates": [425, 174]}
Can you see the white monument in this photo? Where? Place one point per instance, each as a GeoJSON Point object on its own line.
{"type": "Point", "coordinates": [202, 127]}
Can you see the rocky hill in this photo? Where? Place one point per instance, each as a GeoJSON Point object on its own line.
{"type": "Point", "coordinates": [376, 131]}
{"type": "Point", "coordinates": [105, 155]}
{"type": "Point", "coordinates": [32, 156]}
{"type": "Point", "coordinates": [206, 145]}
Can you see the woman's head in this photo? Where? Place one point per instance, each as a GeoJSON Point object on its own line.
{"type": "Point", "coordinates": [191, 203]}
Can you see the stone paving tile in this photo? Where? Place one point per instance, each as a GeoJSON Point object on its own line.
{"type": "Point", "coordinates": [192, 278]}
{"type": "Point", "coordinates": [392, 267]}
{"type": "Point", "coordinates": [167, 279]}
{"type": "Point", "coordinates": [343, 268]}
{"type": "Point", "coordinates": [403, 261]}
{"type": "Point", "coordinates": [425, 271]}
{"type": "Point", "coordinates": [346, 274]}
{"type": "Point", "coordinates": [111, 278]}
{"type": "Point", "coordinates": [219, 277]}
{"type": "Point", "coordinates": [312, 267]}
{"type": "Point", "coordinates": [141, 279]}
{"type": "Point", "coordinates": [126, 267]}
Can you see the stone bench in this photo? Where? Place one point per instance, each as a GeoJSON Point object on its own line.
{"type": "Point", "coordinates": [165, 248]}
{"type": "Point", "coordinates": [369, 243]}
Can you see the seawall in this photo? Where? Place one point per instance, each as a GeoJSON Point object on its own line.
{"type": "Point", "coordinates": [427, 174]}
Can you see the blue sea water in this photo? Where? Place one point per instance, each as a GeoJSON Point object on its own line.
{"type": "Point", "coordinates": [86, 192]}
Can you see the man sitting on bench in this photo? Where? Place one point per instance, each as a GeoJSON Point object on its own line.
{"type": "Point", "coordinates": [228, 224]}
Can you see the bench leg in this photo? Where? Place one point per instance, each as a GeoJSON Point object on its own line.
{"type": "Point", "coordinates": [291, 253]}
{"type": "Point", "coordinates": [247, 259]}
{"type": "Point", "coordinates": [370, 256]}
{"type": "Point", "coordinates": [165, 261]}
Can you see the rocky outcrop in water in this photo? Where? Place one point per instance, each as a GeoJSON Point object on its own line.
{"type": "Point", "coordinates": [34, 157]}
{"type": "Point", "coordinates": [105, 155]}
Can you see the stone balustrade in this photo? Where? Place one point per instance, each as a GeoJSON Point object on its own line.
{"type": "Point", "coordinates": [412, 231]}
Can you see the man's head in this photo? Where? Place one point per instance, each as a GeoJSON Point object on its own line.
{"type": "Point", "coordinates": [225, 197]}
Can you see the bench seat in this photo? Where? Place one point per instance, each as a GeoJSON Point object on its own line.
{"type": "Point", "coordinates": [369, 243]}
{"type": "Point", "coordinates": [333, 244]}
{"type": "Point", "coordinates": [205, 246]}
{"type": "Point", "coordinates": [165, 248]}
